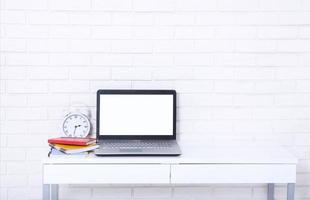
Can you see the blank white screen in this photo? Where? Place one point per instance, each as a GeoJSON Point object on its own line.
{"type": "Point", "coordinates": [136, 114]}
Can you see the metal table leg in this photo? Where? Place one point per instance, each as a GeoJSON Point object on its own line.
{"type": "Point", "coordinates": [46, 191]}
{"type": "Point", "coordinates": [270, 193]}
{"type": "Point", "coordinates": [290, 191]}
{"type": "Point", "coordinates": [50, 192]}
{"type": "Point", "coordinates": [54, 192]}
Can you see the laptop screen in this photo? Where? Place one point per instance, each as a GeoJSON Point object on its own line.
{"type": "Point", "coordinates": [136, 114]}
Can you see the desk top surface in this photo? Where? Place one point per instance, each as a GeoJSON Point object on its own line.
{"type": "Point", "coordinates": [192, 154]}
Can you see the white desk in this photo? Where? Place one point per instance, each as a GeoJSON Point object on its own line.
{"type": "Point", "coordinates": [197, 165]}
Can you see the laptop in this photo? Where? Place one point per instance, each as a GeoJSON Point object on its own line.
{"type": "Point", "coordinates": [136, 122]}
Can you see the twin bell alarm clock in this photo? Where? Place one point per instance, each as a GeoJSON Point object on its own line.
{"type": "Point", "coordinates": [76, 122]}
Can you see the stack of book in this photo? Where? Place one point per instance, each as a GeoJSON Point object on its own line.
{"type": "Point", "coordinates": [72, 146]}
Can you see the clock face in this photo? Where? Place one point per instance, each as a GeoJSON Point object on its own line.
{"type": "Point", "coordinates": [76, 125]}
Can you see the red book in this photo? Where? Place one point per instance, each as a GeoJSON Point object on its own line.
{"type": "Point", "coordinates": [72, 141]}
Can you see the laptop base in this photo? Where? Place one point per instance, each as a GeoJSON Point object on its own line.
{"type": "Point", "coordinates": [138, 148]}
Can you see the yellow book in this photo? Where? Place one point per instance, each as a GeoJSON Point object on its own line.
{"type": "Point", "coordinates": [70, 149]}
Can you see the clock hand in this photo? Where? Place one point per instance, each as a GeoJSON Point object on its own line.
{"type": "Point", "coordinates": [76, 127]}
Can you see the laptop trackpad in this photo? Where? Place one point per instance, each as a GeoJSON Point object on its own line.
{"type": "Point", "coordinates": [130, 150]}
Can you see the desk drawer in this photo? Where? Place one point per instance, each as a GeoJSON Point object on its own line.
{"type": "Point", "coordinates": [106, 174]}
{"type": "Point", "coordinates": [233, 173]}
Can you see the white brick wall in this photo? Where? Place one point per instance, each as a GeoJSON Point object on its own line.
{"type": "Point", "coordinates": [241, 69]}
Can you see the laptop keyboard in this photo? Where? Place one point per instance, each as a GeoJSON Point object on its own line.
{"type": "Point", "coordinates": [135, 145]}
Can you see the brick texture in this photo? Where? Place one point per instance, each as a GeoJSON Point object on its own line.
{"type": "Point", "coordinates": [241, 69]}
